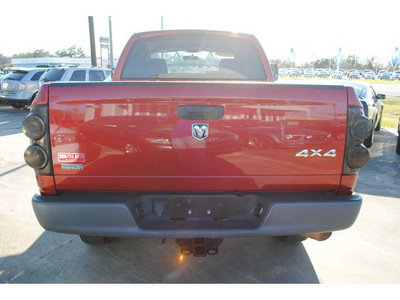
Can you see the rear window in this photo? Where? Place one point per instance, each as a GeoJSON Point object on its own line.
{"type": "Point", "coordinates": [16, 75]}
{"type": "Point", "coordinates": [96, 75]}
{"type": "Point", "coordinates": [78, 75]}
{"type": "Point", "coordinates": [37, 75]}
{"type": "Point", "coordinates": [53, 75]}
{"type": "Point", "coordinates": [193, 57]}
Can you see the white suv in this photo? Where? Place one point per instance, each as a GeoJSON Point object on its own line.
{"type": "Point", "coordinates": [75, 74]}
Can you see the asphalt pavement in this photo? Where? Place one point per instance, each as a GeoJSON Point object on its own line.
{"type": "Point", "coordinates": [368, 252]}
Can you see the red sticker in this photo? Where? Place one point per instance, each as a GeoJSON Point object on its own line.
{"type": "Point", "coordinates": [71, 157]}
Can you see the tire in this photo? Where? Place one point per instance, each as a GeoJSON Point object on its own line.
{"type": "Point", "coordinates": [18, 106]}
{"type": "Point", "coordinates": [33, 98]}
{"type": "Point", "coordinates": [398, 145]}
{"type": "Point", "coordinates": [369, 140]}
{"type": "Point", "coordinates": [290, 238]}
{"type": "Point", "coordinates": [95, 240]}
{"type": "Point", "coordinates": [378, 126]}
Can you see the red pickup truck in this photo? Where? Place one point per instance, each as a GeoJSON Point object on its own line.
{"type": "Point", "coordinates": [194, 140]}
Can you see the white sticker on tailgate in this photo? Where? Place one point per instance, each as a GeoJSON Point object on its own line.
{"type": "Point", "coordinates": [71, 157]}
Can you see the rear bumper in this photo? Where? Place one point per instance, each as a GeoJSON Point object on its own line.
{"type": "Point", "coordinates": [117, 214]}
{"type": "Point", "coordinates": [15, 99]}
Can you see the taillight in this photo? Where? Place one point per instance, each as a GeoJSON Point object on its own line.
{"type": "Point", "coordinates": [358, 157]}
{"type": "Point", "coordinates": [358, 129]}
{"type": "Point", "coordinates": [23, 87]}
{"type": "Point", "coordinates": [36, 157]}
{"type": "Point", "coordinates": [35, 126]}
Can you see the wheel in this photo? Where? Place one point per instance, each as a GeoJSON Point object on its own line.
{"type": "Point", "coordinates": [290, 238]}
{"type": "Point", "coordinates": [95, 240]}
{"type": "Point", "coordinates": [18, 106]}
{"type": "Point", "coordinates": [33, 98]}
{"type": "Point", "coordinates": [378, 126]}
{"type": "Point", "coordinates": [398, 145]}
{"type": "Point", "coordinates": [369, 140]}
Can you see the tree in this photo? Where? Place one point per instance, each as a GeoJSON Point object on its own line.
{"type": "Point", "coordinates": [4, 61]}
{"type": "Point", "coordinates": [71, 52]}
{"type": "Point", "coordinates": [34, 54]}
{"type": "Point", "coordinates": [352, 62]}
{"type": "Point", "coordinates": [321, 63]}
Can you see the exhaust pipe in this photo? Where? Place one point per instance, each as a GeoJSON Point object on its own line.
{"type": "Point", "coordinates": [322, 236]}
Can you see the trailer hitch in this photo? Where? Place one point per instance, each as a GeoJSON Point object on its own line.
{"type": "Point", "coordinates": [199, 247]}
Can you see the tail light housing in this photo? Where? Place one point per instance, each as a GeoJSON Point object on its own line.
{"type": "Point", "coordinates": [36, 157]}
{"type": "Point", "coordinates": [38, 154]}
{"type": "Point", "coordinates": [35, 126]}
{"type": "Point", "coordinates": [358, 129]}
{"type": "Point", "coordinates": [23, 87]}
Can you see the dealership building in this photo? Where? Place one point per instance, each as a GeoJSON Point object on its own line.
{"type": "Point", "coordinates": [58, 61]}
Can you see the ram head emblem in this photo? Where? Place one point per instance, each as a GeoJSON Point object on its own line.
{"type": "Point", "coordinates": [200, 131]}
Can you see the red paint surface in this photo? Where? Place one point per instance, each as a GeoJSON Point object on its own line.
{"type": "Point", "coordinates": [133, 139]}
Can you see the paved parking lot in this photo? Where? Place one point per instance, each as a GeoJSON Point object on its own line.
{"type": "Point", "coordinates": [368, 252]}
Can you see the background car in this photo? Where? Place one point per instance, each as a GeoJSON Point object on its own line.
{"type": "Point", "coordinates": [308, 73]}
{"type": "Point", "coordinates": [283, 72]}
{"type": "Point", "coordinates": [20, 87]}
{"type": "Point", "coordinates": [322, 74]}
{"type": "Point", "coordinates": [373, 107]}
{"type": "Point", "coordinates": [396, 75]}
{"type": "Point", "coordinates": [294, 73]}
{"type": "Point", "coordinates": [349, 71]}
{"type": "Point", "coordinates": [369, 75]}
{"type": "Point", "coordinates": [337, 75]}
{"type": "Point", "coordinates": [353, 75]}
{"type": "Point", "coordinates": [383, 74]}
{"type": "Point", "coordinates": [75, 74]}
{"type": "Point", "coordinates": [365, 72]}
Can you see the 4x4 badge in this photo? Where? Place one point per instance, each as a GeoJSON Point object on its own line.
{"type": "Point", "coordinates": [305, 153]}
{"type": "Point", "coordinates": [200, 131]}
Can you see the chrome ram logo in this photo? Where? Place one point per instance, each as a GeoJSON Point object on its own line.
{"type": "Point", "coordinates": [200, 131]}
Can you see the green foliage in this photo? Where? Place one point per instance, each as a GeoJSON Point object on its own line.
{"type": "Point", "coordinates": [71, 52]}
{"type": "Point", "coordinates": [323, 63]}
{"type": "Point", "coordinates": [4, 61]}
{"type": "Point", "coordinates": [391, 112]}
{"type": "Point", "coordinates": [34, 54]}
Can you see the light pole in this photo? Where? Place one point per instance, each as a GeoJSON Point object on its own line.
{"type": "Point", "coordinates": [111, 44]}
{"type": "Point", "coordinates": [92, 42]}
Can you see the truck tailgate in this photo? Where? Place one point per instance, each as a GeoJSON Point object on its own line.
{"type": "Point", "coordinates": [141, 136]}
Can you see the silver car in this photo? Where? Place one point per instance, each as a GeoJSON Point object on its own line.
{"type": "Point", "coordinates": [75, 74]}
{"type": "Point", "coordinates": [396, 75]}
{"type": "Point", "coordinates": [20, 87]}
{"type": "Point", "coordinates": [369, 75]}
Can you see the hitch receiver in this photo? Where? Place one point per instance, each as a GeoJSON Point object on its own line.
{"type": "Point", "coordinates": [199, 247]}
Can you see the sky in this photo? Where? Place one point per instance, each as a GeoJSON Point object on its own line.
{"type": "Point", "coordinates": [314, 29]}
